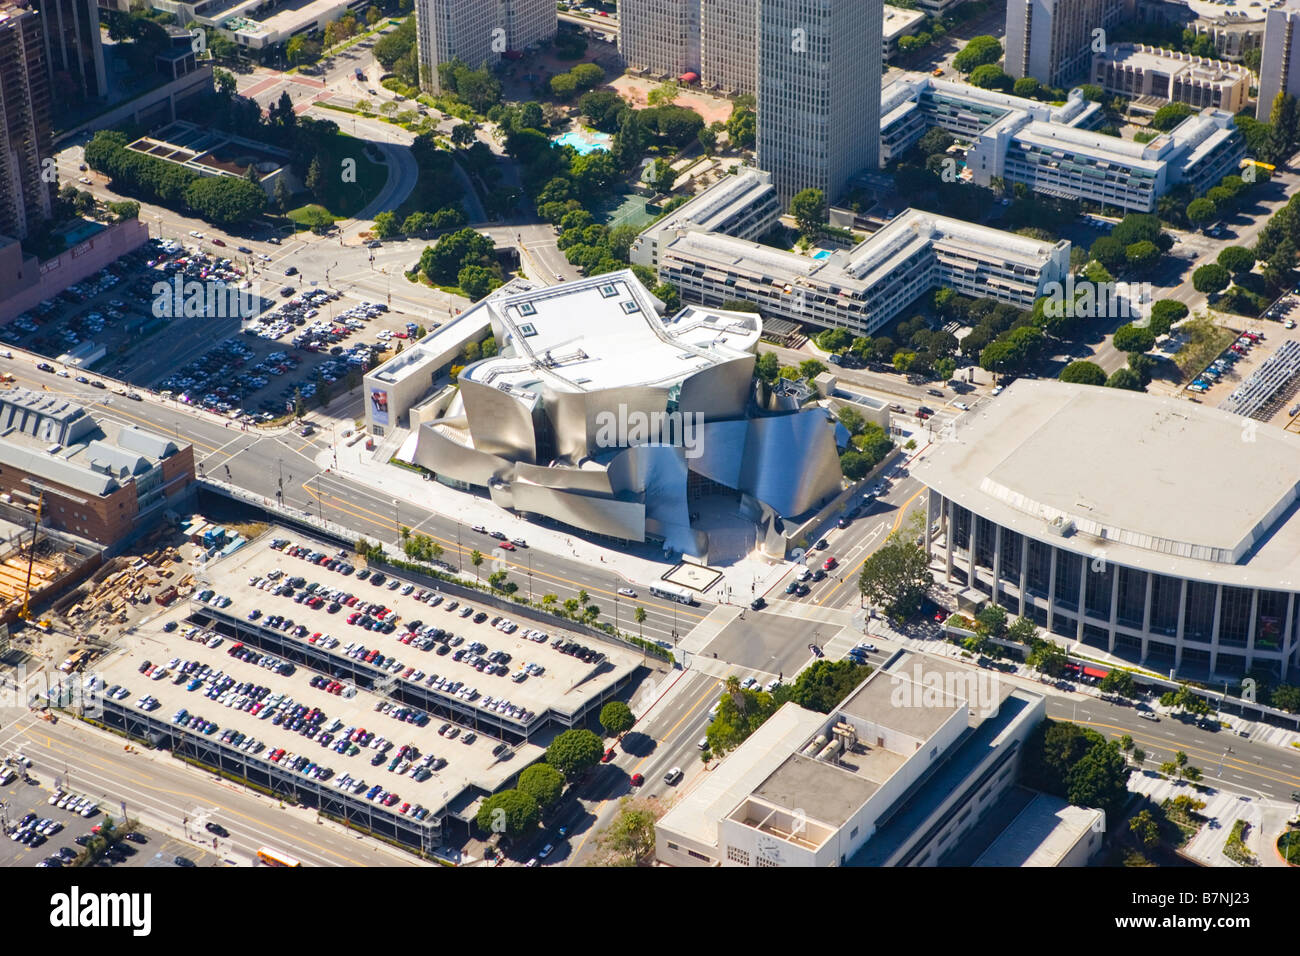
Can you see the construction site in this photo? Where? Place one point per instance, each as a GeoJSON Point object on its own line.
{"type": "Point", "coordinates": [31, 576]}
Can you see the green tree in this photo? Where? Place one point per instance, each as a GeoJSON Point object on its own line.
{"type": "Point", "coordinates": [1125, 378]}
{"type": "Point", "coordinates": [1119, 682]}
{"type": "Point", "coordinates": [1132, 338]}
{"type": "Point", "coordinates": [616, 718]}
{"type": "Point", "coordinates": [808, 207]}
{"type": "Point", "coordinates": [1107, 250]}
{"type": "Point", "coordinates": [1047, 658]}
{"type": "Point", "coordinates": [1023, 630]}
{"type": "Point", "coordinates": [1170, 115]}
{"type": "Point", "coordinates": [977, 52]}
{"type": "Point", "coordinates": [822, 685]}
{"type": "Point", "coordinates": [315, 181]}
{"type": "Point", "coordinates": [1142, 255]}
{"type": "Point", "coordinates": [1200, 211]}
{"type": "Point", "coordinates": [509, 812]}
{"type": "Point", "coordinates": [1164, 313]}
{"type": "Point", "coordinates": [767, 366]}
{"type": "Point", "coordinates": [810, 369]}
{"type": "Point", "coordinates": [574, 752]}
{"type": "Point", "coordinates": [629, 840]}
{"type": "Point", "coordinates": [990, 77]}
{"type": "Point", "coordinates": [1236, 259]}
{"type": "Point", "coordinates": [543, 783]}
{"type": "Point", "coordinates": [1144, 828]}
{"type": "Point", "coordinates": [896, 576]}
{"type": "Point", "coordinates": [476, 559]}
{"type": "Point", "coordinates": [1211, 278]}
{"type": "Point", "coordinates": [1083, 373]}
{"type": "Point", "coordinates": [993, 619]}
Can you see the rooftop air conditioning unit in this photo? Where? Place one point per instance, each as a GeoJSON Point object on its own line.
{"type": "Point", "coordinates": [1061, 526]}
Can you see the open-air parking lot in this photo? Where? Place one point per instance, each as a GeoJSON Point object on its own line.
{"type": "Point", "coordinates": [49, 825]}
{"type": "Point", "coordinates": [247, 362]}
{"type": "Point", "coordinates": [494, 668]}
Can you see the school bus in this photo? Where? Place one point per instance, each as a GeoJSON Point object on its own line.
{"type": "Point", "coordinates": [276, 858]}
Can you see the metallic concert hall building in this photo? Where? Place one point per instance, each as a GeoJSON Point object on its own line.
{"type": "Point", "coordinates": [1158, 531]}
{"type": "Point", "coordinates": [603, 413]}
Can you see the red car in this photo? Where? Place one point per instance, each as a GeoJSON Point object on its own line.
{"type": "Point", "coordinates": [506, 546]}
{"type": "Point", "coordinates": [391, 799]}
{"type": "Point", "coordinates": [609, 755]}
{"type": "Point", "coordinates": [637, 780]}
{"type": "Point", "coordinates": [828, 564]}
{"type": "Point", "coordinates": [941, 615]}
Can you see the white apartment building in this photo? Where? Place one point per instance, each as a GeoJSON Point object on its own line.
{"type": "Point", "coordinates": [1135, 70]}
{"type": "Point", "coordinates": [743, 205]}
{"type": "Point", "coordinates": [1052, 40]}
{"type": "Point", "coordinates": [819, 69]}
{"type": "Point", "coordinates": [661, 36]}
{"type": "Point", "coordinates": [477, 32]}
{"type": "Point", "coordinates": [898, 22]}
{"type": "Point", "coordinates": [864, 288]}
{"type": "Point", "coordinates": [1278, 71]}
{"type": "Point", "coordinates": [1050, 148]}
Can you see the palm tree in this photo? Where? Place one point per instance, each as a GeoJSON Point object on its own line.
{"type": "Point", "coordinates": [549, 599]}
{"type": "Point", "coordinates": [584, 598]}
{"type": "Point", "coordinates": [736, 693]}
{"type": "Point", "coordinates": [476, 558]}
{"type": "Point", "coordinates": [639, 616]}
{"type": "Point", "coordinates": [435, 551]}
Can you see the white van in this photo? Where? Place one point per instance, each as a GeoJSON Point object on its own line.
{"type": "Point", "coordinates": [703, 744]}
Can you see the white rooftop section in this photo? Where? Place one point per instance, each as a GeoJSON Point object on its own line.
{"type": "Point", "coordinates": [711, 208]}
{"type": "Point", "coordinates": [898, 21]}
{"type": "Point", "coordinates": [1229, 10]}
{"type": "Point", "coordinates": [1123, 151]}
{"type": "Point", "coordinates": [1042, 834]}
{"type": "Point", "coordinates": [695, 816]}
{"type": "Point", "coordinates": [1142, 481]}
{"type": "Point", "coordinates": [1172, 62]}
{"type": "Point", "coordinates": [606, 332]}
{"type": "Point", "coordinates": [860, 268]}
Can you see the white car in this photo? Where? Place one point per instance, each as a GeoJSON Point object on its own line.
{"type": "Point", "coordinates": [748, 682]}
{"type": "Point", "coordinates": [1148, 715]}
{"type": "Point", "coordinates": [997, 389]}
{"type": "Point", "coordinates": [627, 592]}
{"type": "Point", "coordinates": [961, 405]}
{"type": "Point", "coordinates": [63, 373]}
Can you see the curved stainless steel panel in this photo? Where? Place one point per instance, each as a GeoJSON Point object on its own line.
{"type": "Point", "coordinates": [619, 519]}
{"type": "Point", "coordinates": [722, 452]}
{"type": "Point", "coordinates": [790, 461]}
{"type": "Point", "coordinates": [438, 453]}
{"type": "Point", "coordinates": [500, 423]}
{"type": "Point", "coordinates": [589, 480]}
{"type": "Point", "coordinates": [719, 392]}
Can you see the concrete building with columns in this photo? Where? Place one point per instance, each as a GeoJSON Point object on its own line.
{"type": "Point", "coordinates": [1151, 529]}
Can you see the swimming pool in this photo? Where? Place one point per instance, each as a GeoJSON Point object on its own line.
{"type": "Point", "coordinates": [822, 254]}
{"type": "Point", "coordinates": [585, 141]}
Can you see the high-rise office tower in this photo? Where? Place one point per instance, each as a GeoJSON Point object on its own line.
{"type": "Point", "coordinates": [73, 50]}
{"type": "Point", "coordinates": [1278, 70]}
{"type": "Point", "coordinates": [819, 66]}
{"type": "Point", "coordinates": [477, 32]}
{"type": "Point", "coordinates": [26, 190]}
{"type": "Point", "coordinates": [661, 36]}
{"type": "Point", "coordinates": [1053, 40]}
{"type": "Point", "coordinates": [727, 44]}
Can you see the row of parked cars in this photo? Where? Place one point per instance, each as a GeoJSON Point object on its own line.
{"type": "Point", "coordinates": [1222, 365]}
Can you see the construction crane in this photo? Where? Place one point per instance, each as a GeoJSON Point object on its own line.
{"type": "Point", "coordinates": [25, 613]}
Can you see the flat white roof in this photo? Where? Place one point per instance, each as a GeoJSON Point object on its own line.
{"type": "Point", "coordinates": [1042, 834]}
{"type": "Point", "coordinates": [1148, 482]}
{"type": "Point", "coordinates": [606, 332]}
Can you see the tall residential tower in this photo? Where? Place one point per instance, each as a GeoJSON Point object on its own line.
{"type": "Point", "coordinates": [819, 67]}
{"type": "Point", "coordinates": [477, 32]}
{"type": "Point", "coordinates": [1053, 40]}
{"type": "Point", "coordinates": [1278, 70]}
{"type": "Point", "coordinates": [26, 191]}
